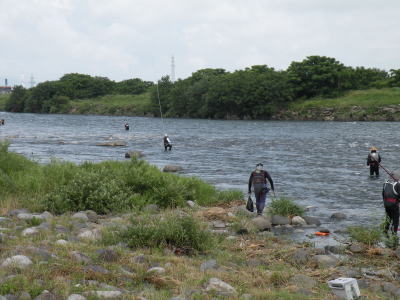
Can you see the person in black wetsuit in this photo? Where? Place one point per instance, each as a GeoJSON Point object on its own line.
{"type": "Point", "coordinates": [373, 161]}
{"type": "Point", "coordinates": [258, 179]}
{"type": "Point", "coordinates": [126, 126]}
{"type": "Point", "coordinates": [391, 197]}
{"type": "Point", "coordinates": [167, 143]}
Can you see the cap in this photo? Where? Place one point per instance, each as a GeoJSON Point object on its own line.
{"type": "Point", "coordinates": [373, 149]}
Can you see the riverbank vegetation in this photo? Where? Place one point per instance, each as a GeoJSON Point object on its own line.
{"type": "Point", "coordinates": [257, 92]}
{"type": "Point", "coordinates": [103, 187]}
{"type": "Point", "coordinates": [3, 100]}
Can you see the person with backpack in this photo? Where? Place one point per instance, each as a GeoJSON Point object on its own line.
{"type": "Point", "coordinates": [258, 179]}
{"type": "Point", "coordinates": [391, 197]}
{"type": "Point", "coordinates": [373, 161]}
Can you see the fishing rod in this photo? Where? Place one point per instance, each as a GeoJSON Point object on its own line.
{"type": "Point", "coordinates": [386, 170]}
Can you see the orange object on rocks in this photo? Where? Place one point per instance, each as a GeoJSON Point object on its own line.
{"type": "Point", "coordinates": [322, 233]}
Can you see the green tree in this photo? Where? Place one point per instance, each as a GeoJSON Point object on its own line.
{"type": "Point", "coordinates": [16, 102]}
{"type": "Point", "coordinates": [133, 86]}
{"type": "Point", "coordinates": [316, 75]}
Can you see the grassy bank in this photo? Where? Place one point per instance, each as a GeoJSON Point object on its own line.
{"type": "Point", "coordinates": [363, 105]}
{"type": "Point", "coordinates": [103, 187]}
{"type": "Point", "coordinates": [3, 99]}
{"type": "Point", "coordinates": [128, 105]}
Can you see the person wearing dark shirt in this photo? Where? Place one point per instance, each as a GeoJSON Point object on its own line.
{"type": "Point", "coordinates": [373, 161]}
{"type": "Point", "coordinates": [391, 197]}
{"type": "Point", "coordinates": [126, 126]}
{"type": "Point", "coordinates": [167, 143]}
{"type": "Point", "coordinates": [258, 179]}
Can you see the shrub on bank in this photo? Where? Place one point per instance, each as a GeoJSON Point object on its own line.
{"type": "Point", "coordinates": [185, 233]}
{"type": "Point", "coordinates": [285, 207]}
{"type": "Point", "coordinates": [369, 236]}
{"type": "Point", "coordinates": [103, 187]}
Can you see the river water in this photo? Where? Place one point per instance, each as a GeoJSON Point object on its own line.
{"type": "Point", "coordinates": [321, 164]}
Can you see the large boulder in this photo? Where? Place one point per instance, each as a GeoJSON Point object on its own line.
{"type": "Point", "coordinates": [262, 223]}
{"type": "Point", "coordinates": [280, 220]}
{"type": "Point", "coordinates": [298, 221]}
{"type": "Point", "coordinates": [18, 261]}
{"type": "Point", "coordinates": [134, 154]}
{"type": "Point", "coordinates": [312, 220]}
{"type": "Point", "coordinates": [221, 287]}
{"type": "Point", "coordinates": [172, 168]}
{"type": "Point", "coordinates": [338, 216]}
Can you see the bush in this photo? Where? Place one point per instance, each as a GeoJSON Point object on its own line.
{"type": "Point", "coordinates": [182, 232]}
{"type": "Point", "coordinates": [368, 236]}
{"type": "Point", "coordinates": [285, 207]}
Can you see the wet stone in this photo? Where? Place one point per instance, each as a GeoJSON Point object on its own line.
{"type": "Point", "coordinates": [312, 220]}
{"type": "Point", "coordinates": [338, 216]}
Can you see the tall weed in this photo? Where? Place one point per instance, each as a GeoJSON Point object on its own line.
{"type": "Point", "coordinates": [285, 207]}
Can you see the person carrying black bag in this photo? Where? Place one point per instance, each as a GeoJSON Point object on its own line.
{"type": "Point", "coordinates": [258, 179]}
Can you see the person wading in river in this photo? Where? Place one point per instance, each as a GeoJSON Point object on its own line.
{"type": "Point", "coordinates": [391, 197]}
{"type": "Point", "coordinates": [167, 143]}
{"type": "Point", "coordinates": [258, 179]}
{"type": "Point", "coordinates": [373, 161]}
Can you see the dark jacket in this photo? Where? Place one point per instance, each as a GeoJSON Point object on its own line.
{"type": "Point", "coordinates": [260, 178]}
{"type": "Point", "coordinates": [391, 191]}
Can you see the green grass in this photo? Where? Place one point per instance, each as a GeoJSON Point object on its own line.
{"type": "Point", "coordinates": [372, 98]}
{"type": "Point", "coordinates": [285, 207]}
{"type": "Point", "coordinates": [3, 100]}
{"type": "Point", "coordinates": [138, 105]}
{"type": "Point", "coordinates": [171, 230]}
{"type": "Point", "coordinates": [104, 187]}
{"type": "Point", "coordinates": [368, 236]}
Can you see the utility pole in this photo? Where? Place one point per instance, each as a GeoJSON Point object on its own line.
{"type": "Point", "coordinates": [172, 69]}
{"type": "Point", "coordinates": [32, 81]}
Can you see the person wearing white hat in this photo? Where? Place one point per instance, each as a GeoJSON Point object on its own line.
{"type": "Point", "coordinates": [167, 143]}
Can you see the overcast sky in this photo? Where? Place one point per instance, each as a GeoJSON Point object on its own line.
{"type": "Point", "coordinates": [122, 39]}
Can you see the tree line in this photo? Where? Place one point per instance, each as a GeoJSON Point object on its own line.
{"type": "Point", "coordinates": [256, 92]}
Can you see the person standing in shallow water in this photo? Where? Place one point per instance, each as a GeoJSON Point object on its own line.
{"type": "Point", "coordinates": [167, 143]}
{"type": "Point", "coordinates": [391, 197]}
{"type": "Point", "coordinates": [258, 179]}
{"type": "Point", "coordinates": [373, 161]}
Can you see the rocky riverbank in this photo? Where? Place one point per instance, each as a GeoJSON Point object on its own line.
{"type": "Point", "coordinates": [44, 256]}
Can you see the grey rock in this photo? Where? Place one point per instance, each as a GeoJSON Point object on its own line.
{"type": "Point", "coordinates": [209, 265]}
{"type": "Point", "coordinates": [298, 221]}
{"type": "Point", "coordinates": [88, 235]}
{"type": "Point", "coordinates": [18, 261]}
{"type": "Point", "coordinates": [47, 215]}
{"type": "Point", "coordinates": [46, 295]}
{"type": "Point", "coordinates": [280, 220]}
{"type": "Point", "coordinates": [156, 270]}
{"type": "Point", "coordinates": [303, 281]}
{"type": "Point", "coordinates": [30, 231]}
{"type": "Point", "coordinates": [42, 253]}
{"type": "Point", "coordinates": [15, 212]}
{"type": "Point", "coordinates": [219, 286]}
{"type": "Point", "coordinates": [350, 273]}
{"type": "Point", "coordinates": [76, 297]}
{"type": "Point", "coordinates": [336, 249]}
{"type": "Point", "coordinates": [81, 216]}
{"type": "Point", "coordinates": [301, 257]}
{"type": "Point", "coordinates": [134, 154]}
{"type": "Point", "coordinates": [108, 294]}
{"type": "Point", "coordinates": [11, 297]}
{"type": "Point", "coordinates": [261, 223]}
{"type": "Point", "coordinates": [61, 229]}
{"type": "Point", "coordinates": [61, 242]}
{"type": "Point", "coordinates": [357, 248]}
{"type": "Point", "coordinates": [191, 203]}
{"type": "Point", "coordinates": [219, 224]}
{"type": "Point", "coordinates": [96, 269]}
{"type": "Point", "coordinates": [140, 259]}
{"type": "Point", "coordinates": [312, 220]}
{"type": "Point", "coordinates": [326, 260]}
{"type": "Point", "coordinates": [24, 296]}
{"type": "Point", "coordinates": [172, 168]}
{"type": "Point", "coordinates": [389, 288]}
{"type": "Point", "coordinates": [338, 216]}
{"type": "Point", "coordinates": [324, 230]}
{"type": "Point", "coordinates": [79, 257]}
{"type": "Point", "coordinates": [92, 215]}
{"type": "Point", "coordinates": [28, 216]}
{"type": "Point", "coordinates": [44, 226]}
{"type": "Point", "coordinates": [108, 255]}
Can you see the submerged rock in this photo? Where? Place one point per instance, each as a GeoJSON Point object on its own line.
{"type": "Point", "coordinates": [134, 154]}
{"type": "Point", "coordinates": [338, 216]}
{"type": "Point", "coordinates": [312, 220]}
{"type": "Point", "coordinates": [172, 168]}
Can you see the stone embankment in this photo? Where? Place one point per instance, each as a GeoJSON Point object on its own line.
{"type": "Point", "coordinates": [352, 113]}
{"type": "Point", "coordinates": [63, 257]}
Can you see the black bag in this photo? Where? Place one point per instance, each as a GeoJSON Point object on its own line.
{"type": "Point", "coordinates": [250, 205]}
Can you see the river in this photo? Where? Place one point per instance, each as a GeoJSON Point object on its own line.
{"type": "Point", "coordinates": [321, 164]}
